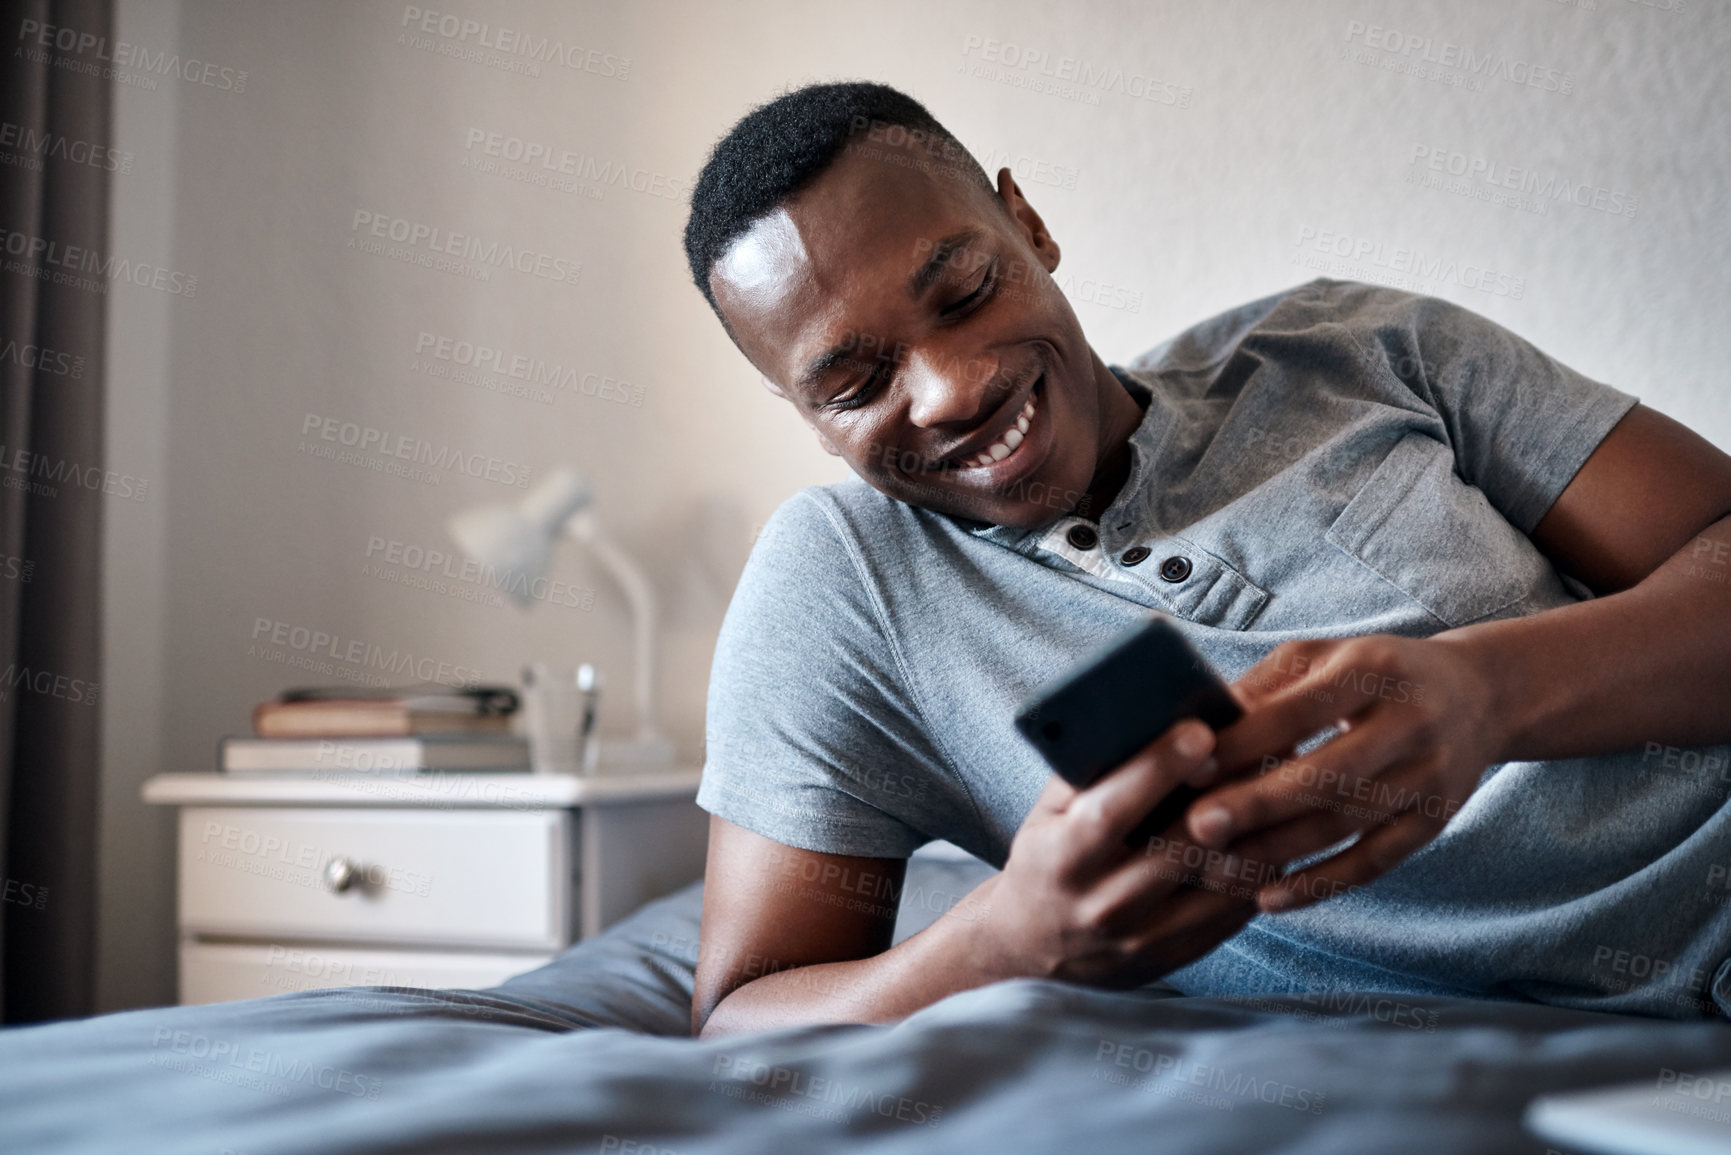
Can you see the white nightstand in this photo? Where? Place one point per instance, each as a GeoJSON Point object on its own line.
{"type": "Point", "coordinates": [440, 880]}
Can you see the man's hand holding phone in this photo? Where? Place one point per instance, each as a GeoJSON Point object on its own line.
{"type": "Point", "coordinates": [1076, 901]}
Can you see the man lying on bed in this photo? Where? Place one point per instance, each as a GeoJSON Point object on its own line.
{"type": "Point", "coordinates": [1385, 515]}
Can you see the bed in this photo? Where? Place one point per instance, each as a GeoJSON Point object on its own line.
{"type": "Point", "coordinates": [589, 1054]}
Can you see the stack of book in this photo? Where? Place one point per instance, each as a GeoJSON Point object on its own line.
{"type": "Point", "coordinates": [411, 730]}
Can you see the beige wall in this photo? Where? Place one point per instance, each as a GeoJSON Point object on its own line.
{"type": "Point", "coordinates": [1260, 134]}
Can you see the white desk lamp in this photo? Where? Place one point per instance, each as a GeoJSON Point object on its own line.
{"type": "Point", "coordinates": [519, 539]}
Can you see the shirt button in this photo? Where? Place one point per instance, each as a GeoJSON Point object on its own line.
{"type": "Point", "coordinates": [1175, 568]}
{"type": "Point", "coordinates": [1135, 555]}
{"type": "Point", "coordinates": [1083, 537]}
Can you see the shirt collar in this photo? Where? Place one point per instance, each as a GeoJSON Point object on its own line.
{"type": "Point", "coordinates": [1130, 507]}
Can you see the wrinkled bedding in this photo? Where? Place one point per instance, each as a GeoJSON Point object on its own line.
{"type": "Point", "coordinates": [588, 1054]}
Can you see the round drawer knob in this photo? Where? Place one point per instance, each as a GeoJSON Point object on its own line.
{"type": "Point", "coordinates": [340, 874]}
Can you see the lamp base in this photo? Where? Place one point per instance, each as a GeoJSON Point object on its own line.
{"type": "Point", "coordinates": [624, 755]}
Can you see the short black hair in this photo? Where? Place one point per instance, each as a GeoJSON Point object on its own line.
{"type": "Point", "coordinates": [778, 148]}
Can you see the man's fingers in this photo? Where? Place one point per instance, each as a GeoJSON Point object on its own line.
{"type": "Point", "coordinates": [1055, 797]}
{"type": "Point", "coordinates": [1379, 851]}
{"type": "Point", "coordinates": [1139, 886]}
{"type": "Point", "coordinates": [1112, 807]}
{"type": "Point", "coordinates": [1189, 926]}
{"type": "Point", "coordinates": [1282, 711]}
{"type": "Point", "coordinates": [1253, 861]}
{"type": "Point", "coordinates": [1398, 790]}
{"type": "Point", "coordinates": [1340, 776]}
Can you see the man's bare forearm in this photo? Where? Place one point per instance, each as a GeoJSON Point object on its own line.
{"type": "Point", "coordinates": [942, 959]}
{"type": "Point", "coordinates": [1649, 664]}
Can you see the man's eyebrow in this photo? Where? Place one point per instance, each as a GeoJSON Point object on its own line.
{"type": "Point", "coordinates": [922, 279]}
{"type": "Point", "coordinates": [814, 372]}
{"type": "Point", "coordinates": [928, 272]}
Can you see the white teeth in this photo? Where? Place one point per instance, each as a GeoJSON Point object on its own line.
{"type": "Point", "coordinates": [1013, 437]}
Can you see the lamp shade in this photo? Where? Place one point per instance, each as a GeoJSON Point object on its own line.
{"type": "Point", "coordinates": [517, 537]}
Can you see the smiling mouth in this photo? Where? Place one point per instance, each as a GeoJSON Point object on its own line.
{"type": "Point", "coordinates": [1007, 443]}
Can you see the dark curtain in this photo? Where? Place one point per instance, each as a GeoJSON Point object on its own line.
{"type": "Point", "coordinates": [55, 117]}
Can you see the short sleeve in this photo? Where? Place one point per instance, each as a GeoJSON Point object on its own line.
{"type": "Point", "coordinates": [811, 738]}
{"type": "Point", "coordinates": [1521, 423]}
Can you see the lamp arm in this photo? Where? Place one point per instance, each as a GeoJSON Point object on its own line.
{"type": "Point", "coordinates": [640, 597]}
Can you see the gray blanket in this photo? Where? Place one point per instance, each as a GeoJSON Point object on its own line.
{"type": "Point", "coordinates": [588, 1054]}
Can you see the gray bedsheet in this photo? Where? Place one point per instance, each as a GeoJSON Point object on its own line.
{"type": "Point", "coordinates": [577, 1056]}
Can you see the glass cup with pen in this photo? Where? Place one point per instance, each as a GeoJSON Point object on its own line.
{"type": "Point", "coordinates": [559, 708]}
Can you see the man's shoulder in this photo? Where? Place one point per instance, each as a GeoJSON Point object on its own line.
{"type": "Point", "coordinates": [1317, 306]}
{"type": "Point", "coordinates": [851, 514]}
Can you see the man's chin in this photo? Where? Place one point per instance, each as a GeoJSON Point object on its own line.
{"type": "Point", "coordinates": [1041, 505]}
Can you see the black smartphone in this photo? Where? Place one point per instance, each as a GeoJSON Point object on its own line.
{"type": "Point", "coordinates": [1116, 701]}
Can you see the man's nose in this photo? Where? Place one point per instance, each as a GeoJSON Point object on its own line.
{"type": "Point", "coordinates": [945, 388]}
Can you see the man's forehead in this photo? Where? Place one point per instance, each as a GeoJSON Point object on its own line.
{"type": "Point", "coordinates": [766, 255]}
{"type": "Point", "coordinates": [830, 257]}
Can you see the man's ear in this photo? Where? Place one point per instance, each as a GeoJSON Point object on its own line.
{"type": "Point", "coordinates": [1033, 228]}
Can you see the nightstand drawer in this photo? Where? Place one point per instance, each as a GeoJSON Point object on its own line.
{"type": "Point", "coordinates": [455, 878]}
{"type": "Point", "coordinates": [215, 972]}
